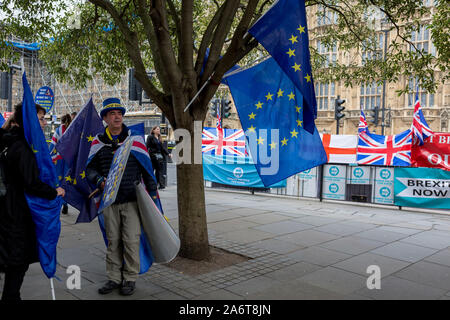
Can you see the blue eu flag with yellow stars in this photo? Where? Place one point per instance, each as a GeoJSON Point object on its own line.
{"type": "Point", "coordinates": [283, 32]}
{"type": "Point", "coordinates": [45, 213]}
{"type": "Point", "coordinates": [74, 147]}
{"type": "Point", "coordinates": [271, 110]}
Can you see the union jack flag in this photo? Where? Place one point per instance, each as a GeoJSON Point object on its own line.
{"type": "Point", "coordinates": [385, 150]}
{"type": "Point", "coordinates": [223, 142]}
{"type": "Point", "coordinates": [362, 123]}
{"type": "Point", "coordinates": [420, 127]}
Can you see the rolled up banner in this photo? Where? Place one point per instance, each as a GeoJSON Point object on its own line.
{"type": "Point", "coordinates": [163, 239]}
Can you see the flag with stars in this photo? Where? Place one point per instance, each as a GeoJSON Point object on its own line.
{"type": "Point", "coordinates": [45, 213]}
{"type": "Point", "coordinates": [271, 110]}
{"type": "Point", "coordinates": [74, 147]}
{"type": "Point", "coordinates": [283, 32]}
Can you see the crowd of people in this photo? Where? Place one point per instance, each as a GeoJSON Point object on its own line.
{"type": "Point", "coordinates": [18, 246]}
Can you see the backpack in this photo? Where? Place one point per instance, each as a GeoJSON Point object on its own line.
{"type": "Point", "coordinates": [3, 183]}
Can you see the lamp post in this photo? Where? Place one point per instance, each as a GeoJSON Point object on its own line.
{"type": "Point", "coordinates": [385, 27]}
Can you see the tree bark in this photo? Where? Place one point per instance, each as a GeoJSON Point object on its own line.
{"type": "Point", "coordinates": [191, 207]}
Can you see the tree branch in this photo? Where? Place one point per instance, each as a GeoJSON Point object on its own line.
{"type": "Point", "coordinates": [206, 40]}
{"type": "Point", "coordinates": [220, 34]}
{"type": "Point", "coordinates": [132, 45]}
{"type": "Point", "coordinates": [158, 15]}
{"type": "Point", "coordinates": [151, 38]}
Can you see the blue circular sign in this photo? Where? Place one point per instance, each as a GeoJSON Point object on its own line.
{"type": "Point", "coordinates": [385, 174]}
{"type": "Point", "coordinates": [358, 172]}
{"type": "Point", "coordinates": [385, 192]}
{"type": "Point", "coordinates": [45, 98]}
{"type": "Point", "coordinates": [334, 171]}
{"type": "Point", "coordinates": [333, 188]}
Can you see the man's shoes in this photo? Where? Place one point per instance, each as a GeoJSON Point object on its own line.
{"type": "Point", "coordinates": [128, 288]}
{"type": "Point", "coordinates": [64, 209]}
{"type": "Point", "coordinates": [108, 287]}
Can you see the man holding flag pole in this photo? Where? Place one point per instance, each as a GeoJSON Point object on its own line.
{"type": "Point", "coordinates": [29, 223]}
{"type": "Point", "coordinates": [121, 218]}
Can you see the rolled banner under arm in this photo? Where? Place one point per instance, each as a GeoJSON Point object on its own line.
{"type": "Point", "coordinates": [163, 239]}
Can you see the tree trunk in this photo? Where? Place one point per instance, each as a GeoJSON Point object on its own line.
{"type": "Point", "coordinates": [192, 212]}
{"type": "Point", "coordinates": [192, 222]}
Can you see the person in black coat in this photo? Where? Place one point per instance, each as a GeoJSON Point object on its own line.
{"type": "Point", "coordinates": [158, 154]}
{"type": "Point", "coordinates": [18, 243]}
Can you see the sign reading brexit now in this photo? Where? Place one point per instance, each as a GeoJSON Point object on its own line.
{"type": "Point", "coordinates": [422, 187]}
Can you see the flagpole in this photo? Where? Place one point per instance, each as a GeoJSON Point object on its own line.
{"type": "Point", "coordinates": [196, 95]}
{"type": "Point", "coordinates": [53, 289]}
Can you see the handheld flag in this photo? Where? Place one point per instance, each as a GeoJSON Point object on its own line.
{"type": "Point", "coordinates": [362, 123]}
{"type": "Point", "coordinates": [420, 127]}
{"type": "Point", "coordinates": [271, 110]}
{"type": "Point", "coordinates": [74, 147]}
{"type": "Point", "coordinates": [283, 32]}
{"type": "Point", "coordinates": [45, 213]}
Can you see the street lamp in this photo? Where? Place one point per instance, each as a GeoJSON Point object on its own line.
{"type": "Point", "coordinates": [385, 28]}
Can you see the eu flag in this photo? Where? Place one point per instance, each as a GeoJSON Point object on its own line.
{"type": "Point", "coordinates": [271, 111]}
{"type": "Point", "coordinates": [283, 32]}
{"type": "Point", "coordinates": [45, 212]}
{"type": "Point", "coordinates": [74, 147]}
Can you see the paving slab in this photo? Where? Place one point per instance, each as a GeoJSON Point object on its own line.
{"type": "Point", "coordinates": [352, 245]}
{"type": "Point", "coordinates": [393, 288]}
{"type": "Point", "coordinates": [359, 264]}
{"type": "Point", "coordinates": [319, 256]}
{"type": "Point", "coordinates": [442, 257]}
{"type": "Point", "coordinates": [283, 227]}
{"type": "Point", "coordinates": [427, 273]}
{"type": "Point", "coordinates": [336, 280]}
{"type": "Point", "coordinates": [404, 251]}
{"type": "Point", "coordinates": [308, 238]}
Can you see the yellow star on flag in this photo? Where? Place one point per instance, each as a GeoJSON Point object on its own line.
{"type": "Point", "coordinates": [294, 134]}
{"type": "Point", "coordinates": [296, 67]}
{"type": "Point", "coordinates": [291, 52]}
{"type": "Point", "coordinates": [259, 105]}
{"type": "Point", "coordinates": [74, 181]}
{"type": "Point", "coordinates": [284, 142]}
{"type": "Point", "coordinates": [293, 39]}
{"type": "Point", "coordinates": [299, 123]}
{"type": "Point", "coordinates": [297, 109]}
{"type": "Point", "coordinates": [301, 29]}
{"type": "Point", "coordinates": [34, 150]}
{"type": "Point", "coordinates": [260, 140]}
{"type": "Point", "coordinates": [291, 96]}
{"type": "Point", "coordinates": [69, 179]}
{"type": "Point", "coordinates": [252, 116]}
{"type": "Point", "coordinates": [252, 129]}
{"type": "Point", "coordinates": [308, 78]}
{"type": "Point", "coordinates": [83, 175]}
{"type": "Point", "coordinates": [90, 138]}
{"type": "Point", "coordinates": [269, 96]}
{"type": "Point", "coordinates": [280, 93]}
{"type": "Point", "coordinates": [273, 145]}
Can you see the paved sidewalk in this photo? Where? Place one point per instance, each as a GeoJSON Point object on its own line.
{"type": "Point", "coordinates": [298, 249]}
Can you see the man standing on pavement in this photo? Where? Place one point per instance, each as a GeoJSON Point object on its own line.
{"type": "Point", "coordinates": [122, 224]}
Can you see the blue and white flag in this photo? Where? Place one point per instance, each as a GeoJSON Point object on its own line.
{"type": "Point", "coordinates": [74, 148]}
{"type": "Point", "coordinates": [45, 212]}
{"type": "Point", "coordinates": [283, 32]}
{"type": "Point", "coordinates": [271, 110]}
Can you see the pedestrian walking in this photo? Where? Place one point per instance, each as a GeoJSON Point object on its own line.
{"type": "Point", "coordinates": [158, 155]}
{"type": "Point", "coordinates": [122, 223]}
{"type": "Point", "coordinates": [18, 243]}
